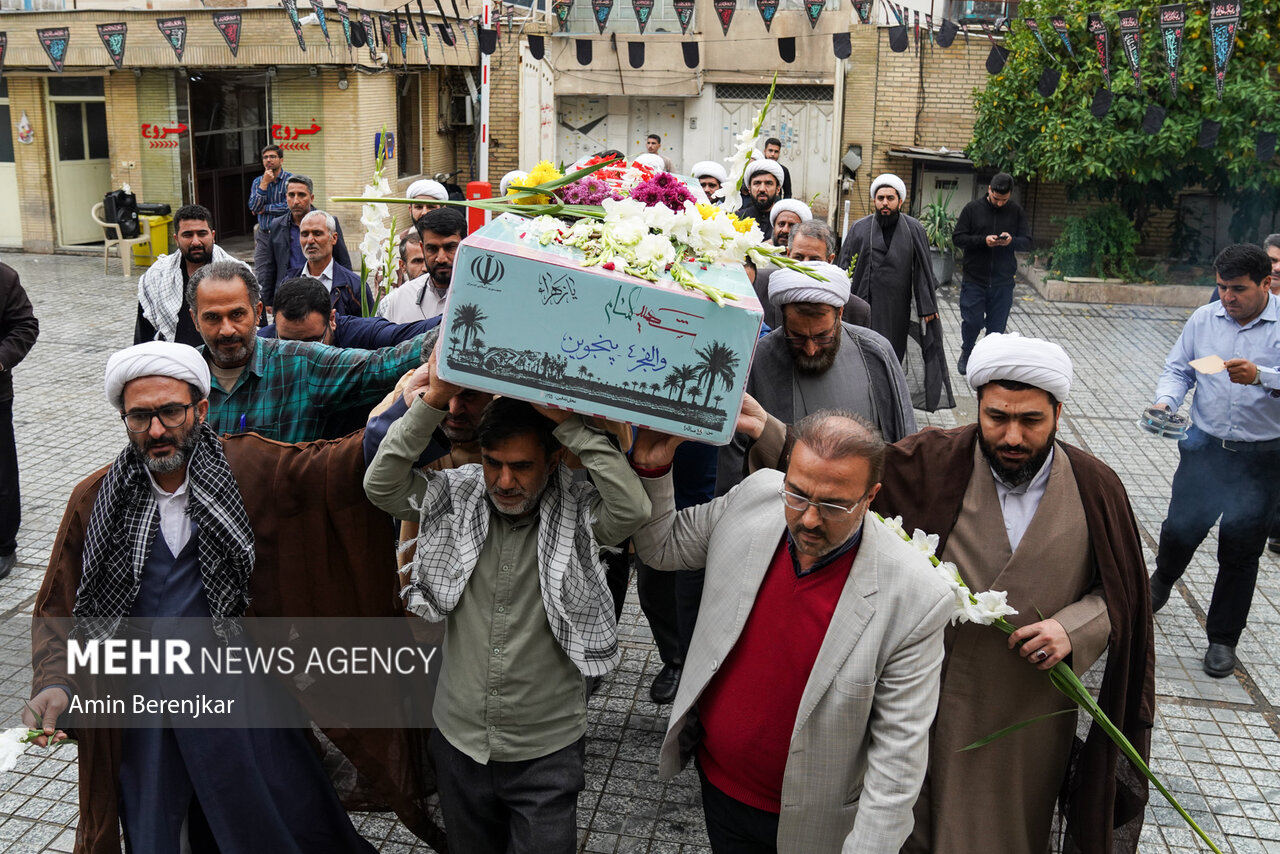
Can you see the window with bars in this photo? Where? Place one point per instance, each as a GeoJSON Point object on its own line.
{"type": "Point", "coordinates": [760, 91]}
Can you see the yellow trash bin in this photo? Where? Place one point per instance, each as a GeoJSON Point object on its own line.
{"type": "Point", "coordinates": [144, 254]}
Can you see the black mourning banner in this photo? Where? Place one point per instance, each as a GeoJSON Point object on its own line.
{"type": "Point", "coordinates": [724, 11]}
{"type": "Point", "coordinates": [996, 59]}
{"type": "Point", "coordinates": [561, 8]}
{"type": "Point", "coordinates": [446, 34]}
{"type": "Point", "coordinates": [899, 39]}
{"type": "Point", "coordinates": [112, 36]}
{"type": "Point", "coordinates": [424, 30]}
{"type": "Point", "coordinates": [1059, 25]}
{"type": "Point", "coordinates": [1173, 24]}
{"type": "Point", "coordinates": [1101, 102]}
{"type": "Point", "coordinates": [54, 40]}
{"type": "Point", "coordinates": [768, 8]}
{"type": "Point", "coordinates": [387, 33]}
{"type": "Point", "coordinates": [1034, 26]}
{"type": "Point", "coordinates": [1131, 44]}
{"type": "Point", "coordinates": [1102, 44]}
{"type": "Point", "coordinates": [946, 33]}
{"type": "Point", "coordinates": [863, 8]}
{"type": "Point", "coordinates": [370, 34]}
{"type": "Point", "coordinates": [684, 14]}
{"type": "Point", "coordinates": [488, 38]}
{"type": "Point", "coordinates": [584, 51]}
{"type": "Point", "coordinates": [1154, 119]}
{"type": "Point", "coordinates": [1265, 150]}
{"type": "Point", "coordinates": [228, 23]}
{"type": "Point", "coordinates": [690, 51]}
{"type": "Point", "coordinates": [1208, 134]}
{"type": "Point", "coordinates": [842, 45]}
{"type": "Point", "coordinates": [175, 32]}
{"type": "Point", "coordinates": [600, 12]}
{"type": "Point", "coordinates": [317, 6]}
{"type": "Point", "coordinates": [643, 9]}
{"type": "Point", "coordinates": [787, 49]}
{"type": "Point", "coordinates": [346, 21]}
{"type": "Point", "coordinates": [813, 8]}
{"type": "Point", "coordinates": [1049, 79]}
{"type": "Point", "coordinates": [635, 54]}
{"type": "Point", "coordinates": [537, 47]}
{"type": "Point", "coordinates": [291, 8]}
{"type": "Point", "coordinates": [1224, 20]}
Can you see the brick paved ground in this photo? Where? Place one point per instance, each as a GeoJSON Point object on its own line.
{"type": "Point", "coordinates": [1217, 742]}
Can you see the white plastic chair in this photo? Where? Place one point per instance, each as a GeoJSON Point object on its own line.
{"type": "Point", "coordinates": [123, 244]}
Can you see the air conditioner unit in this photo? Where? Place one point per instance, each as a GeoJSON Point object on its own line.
{"type": "Point", "coordinates": [462, 111]}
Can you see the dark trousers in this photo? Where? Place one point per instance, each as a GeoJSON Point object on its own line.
{"type": "Point", "coordinates": [657, 591]}
{"type": "Point", "coordinates": [1243, 489]}
{"type": "Point", "coordinates": [734, 827]}
{"type": "Point", "coordinates": [528, 807]}
{"type": "Point", "coordinates": [10, 500]}
{"type": "Point", "coordinates": [982, 306]}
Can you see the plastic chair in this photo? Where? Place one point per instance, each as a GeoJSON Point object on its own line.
{"type": "Point", "coordinates": [124, 244]}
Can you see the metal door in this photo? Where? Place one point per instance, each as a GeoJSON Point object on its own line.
{"type": "Point", "coordinates": [80, 155]}
{"type": "Point", "coordinates": [537, 127]}
{"type": "Point", "coordinates": [665, 117]}
{"type": "Point", "coordinates": [581, 127]}
{"type": "Point", "coordinates": [801, 117]}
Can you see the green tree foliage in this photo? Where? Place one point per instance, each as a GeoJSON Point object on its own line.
{"type": "Point", "coordinates": [1057, 139]}
{"type": "Point", "coordinates": [1100, 243]}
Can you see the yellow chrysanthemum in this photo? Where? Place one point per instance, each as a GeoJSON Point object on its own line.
{"type": "Point", "coordinates": [707, 211]}
{"type": "Point", "coordinates": [541, 174]}
{"type": "Point", "coordinates": [742, 226]}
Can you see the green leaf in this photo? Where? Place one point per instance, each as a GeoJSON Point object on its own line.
{"type": "Point", "coordinates": [983, 742]}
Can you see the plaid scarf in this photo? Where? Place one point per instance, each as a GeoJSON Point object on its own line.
{"type": "Point", "coordinates": [454, 525]}
{"type": "Point", "coordinates": [123, 526]}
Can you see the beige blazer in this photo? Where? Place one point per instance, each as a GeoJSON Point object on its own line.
{"type": "Point", "coordinates": [860, 742]}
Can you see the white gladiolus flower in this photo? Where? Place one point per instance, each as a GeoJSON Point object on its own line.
{"type": "Point", "coordinates": [11, 747]}
{"type": "Point", "coordinates": [988, 606]}
{"type": "Point", "coordinates": [927, 543]}
{"type": "Point", "coordinates": [655, 249]}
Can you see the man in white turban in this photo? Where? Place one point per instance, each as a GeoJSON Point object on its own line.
{"type": "Point", "coordinates": [184, 524]}
{"type": "Point", "coordinates": [712, 177]}
{"type": "Point", "coordinates": [428, 190]}
{"type": "Point", "coordinates": [1018, 511]}
{"type": "Point", "coordinates": [814, 360]}
{"type": "Point", "coordinates": [784, 215]}
{"type": "Point", "coordinates": [763, 181]}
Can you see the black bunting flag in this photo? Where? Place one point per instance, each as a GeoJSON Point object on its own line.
{"type": "Point", "coordinates": [915, 26]}
{"type": "Point", "coordinates": [54, 40]}
{"type": "Point", "coordinates": [175, 33]}
{"type": "Point", "coordinates": [317, 7]}
{"type": "Point", "coordinates": [690, 51]}
{"type": "Point", "coordinates": [345, 19]}
{"type": "Point", "coordinates": [112, 36]}
{"type": "Point", "coordinates": [996, 59]}
{"type": "Point", "coordinates": [387, 34]}
{"type": "Point", "coordinates": [1224, 20]}
{"type": "Point", "coordinates": [768, 8]}
{"type": "Point", "coordinates": [684, 14]}
{"type": "Point", "coordinates": [787, 49]}
{"type": "Point", "coordinates": [1208, 134]}
{"type": "Point", "coordinates": [635, 54]}
{"type": "Point", "coordinates": [584, 51]}
{"type": "Point", "coordinates": [488, 40]}
{"type": "Point", "coordinates": [1101, 102]}
{"type": "Point", "coordinates": [291, 8]}
{"type": "Point", "coordinates": [1102, 44]}
{"type": "Point", "coordinates": [842, 45]}
{"type": "Point", "coordinates": [370, 34]}
{"type": "Point", "coordinates": [537, 47]}
{"type": "Point", "coordinates": [561, 9]}
{"type": "Point", "coordinates": [643, 9]}
{"type": "Point", "coordinates": [1154, 119]}
{"type": "Point", "coordinates": [863, 8]}
{"type": "Point", "coordinates": [402, 37]}
{"type": "Point", "coordinates": [228, 23]}
{"type": "Point", "coordinates": [1266, 148]}
{"type": "Point", "coordinates": [1048, 84]}
{"type": "Point", "coordinates": [423, 30]}
{"type": "Point", "coordinates": [446, 30]}
{"type": "Point", "coordinates": [600, 11]}
{"type": "Point", "coordinates": [813, 8]}
{"type": "Point", "coordinates": [1034, 26]}
{"type": "Point", "coordinates": [1173, 24]}
{"type": "Point", "coordinates": [899, 40]}
{"type": "Point", "coordinates": [1130, 30]}
{"type": "Point", "coordinates": [1059, 25]}
{"type": "Point", "coordinates": [724, 11]}
{"type": "Point", "coordinates": [947, 32]}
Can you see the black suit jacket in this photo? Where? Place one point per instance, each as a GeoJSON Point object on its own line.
{"type": "Point", "coordinates": [18, 327]}
{"type": "Point", "coordinates": [276, 269]}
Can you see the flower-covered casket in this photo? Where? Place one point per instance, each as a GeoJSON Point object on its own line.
{"type": "Point", "coordinates": [525, 318]}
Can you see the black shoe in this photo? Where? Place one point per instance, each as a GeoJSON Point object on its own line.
{"type": "Point", "coordinates": [1273, 543]}
{"type": "Point", "coordinates": [1159, 592]}
{"type": "Point", "coordinates": [1220, 660]}
{"type": "Point", "coordinates": [663, 689]}
{"type": "Point", "coordinates": [6, 564]}
{"type": "Point", "coordinates": [962, 365]}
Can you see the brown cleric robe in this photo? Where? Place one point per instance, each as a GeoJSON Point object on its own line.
{"type": "Point", "coordinates": [926, 480]}
{"type": "Point", "coordinates": [986, 686]}
{"type": "Point", "coordinates": [322, 550]}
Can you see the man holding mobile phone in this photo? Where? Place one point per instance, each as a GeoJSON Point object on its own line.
{"type": "Point", "coordinates": [989, 231]}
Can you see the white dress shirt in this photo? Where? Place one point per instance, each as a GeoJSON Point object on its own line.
{"type": "Point", "coordinates": [1019, 503]}
{"type": "Point", "coordinates": [417, 299]}
{"type": "Point", "coordinates": [326, 275]}
{"type": "Point", "coordinates": [175, 525]}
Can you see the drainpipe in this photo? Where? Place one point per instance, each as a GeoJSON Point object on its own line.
{"type": "Point", "coordinates": [837, 143]}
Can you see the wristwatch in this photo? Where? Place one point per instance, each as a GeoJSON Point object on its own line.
{"type": "Point", "coordinates": [1257, 377]}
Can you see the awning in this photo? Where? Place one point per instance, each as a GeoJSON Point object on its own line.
{"type": "Point", "coordinates": [936, 155]}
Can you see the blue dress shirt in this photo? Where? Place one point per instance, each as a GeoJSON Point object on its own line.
{"type": "Point", "coordinates": [1221, 408]}
{"type": "Point", "coordinates": [269, 204]}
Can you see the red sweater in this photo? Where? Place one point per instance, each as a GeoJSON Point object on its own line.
{"type": "Point", "coordinates": [749, 708]}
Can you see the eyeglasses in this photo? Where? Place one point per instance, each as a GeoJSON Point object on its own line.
{"type": "Point", "coordinates": [827, 511]}
{"type": "Point", "coordinates": [819, 340]}
{"type": "Point", "coordinates": [139, 420]}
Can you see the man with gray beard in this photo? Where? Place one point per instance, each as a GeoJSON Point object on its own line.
{"type": "Point", "coordinates": [815, 360]}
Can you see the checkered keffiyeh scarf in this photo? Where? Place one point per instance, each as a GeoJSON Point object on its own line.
{"type": "Point", "coordinates": [454, 525]}
{"type": "Point", "coordinates": [123, 526]}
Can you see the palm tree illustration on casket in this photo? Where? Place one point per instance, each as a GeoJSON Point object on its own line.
{"type": "Point", "coordinates": [470, 319]}
{"type": "Point", "coordinates": [718, 362]}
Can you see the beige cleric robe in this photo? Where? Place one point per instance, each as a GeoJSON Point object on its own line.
{"type": "Point", "coordinates": [1001, 796]}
